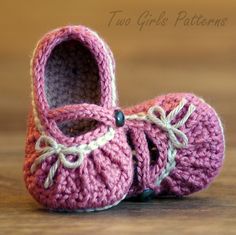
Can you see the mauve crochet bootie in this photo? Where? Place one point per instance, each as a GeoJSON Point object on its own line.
{"type": "Point", "coordinates": [77, 155]}
{"type": "Point", "coordinates": [178, 145]}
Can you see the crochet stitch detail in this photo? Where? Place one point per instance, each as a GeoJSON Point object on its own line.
{"type": "Point", "coordinates": [164, 122]}
{"type": "Point", "coordinates": [59, 150]}
{"type": "Point", "coordinates": [111, 67]}
{"type": "Point", "coordinates": [177, 138]}
{"type": "Point", "coordinates": [73, 143]}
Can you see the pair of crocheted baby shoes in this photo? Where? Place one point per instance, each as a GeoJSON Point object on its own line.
{"type": "Point", "coordinates": [83, 153]}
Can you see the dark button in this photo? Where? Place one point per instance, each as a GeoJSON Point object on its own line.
{"type": "Point", "coordinates": [146, 195]}
{"type": "Point", "coordinates": [120, 118]}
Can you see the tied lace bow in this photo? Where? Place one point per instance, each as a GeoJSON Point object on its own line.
{"type": "Point", "coordinates": [176, 136]}
{"type": "Point", "coordinates": [51, 147]}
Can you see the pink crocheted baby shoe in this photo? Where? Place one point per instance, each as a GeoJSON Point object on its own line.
{"type": "Point", "coordinates": [178, 145]}
{"type": "Point", "coordinates": [77, 156]}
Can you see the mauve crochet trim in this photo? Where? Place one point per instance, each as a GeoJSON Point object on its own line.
{"type": "Point", "coordinates": [196, 165]}
{"type": "Point", "coordinates": [59, 69]}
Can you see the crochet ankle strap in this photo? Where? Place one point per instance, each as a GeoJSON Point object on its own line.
{"type": "Point", "coordinates": [83, 111]}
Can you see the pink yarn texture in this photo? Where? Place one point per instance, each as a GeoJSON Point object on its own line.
{"type": "Point", "coordinates": [83, 154]}
{"type": "Point", "coordinates": [73, 107]}
{"type": "Point", "coordinates": [196, 165]}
